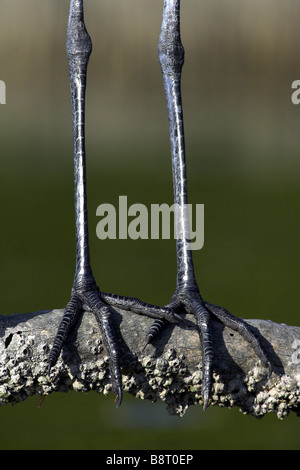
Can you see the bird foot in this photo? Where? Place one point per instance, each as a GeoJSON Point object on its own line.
{"type": "Point", "coordinates": [190, 301]}
{"type": "Point", "coordinates": [89, 298]}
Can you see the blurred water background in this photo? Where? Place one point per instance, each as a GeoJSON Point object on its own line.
{"type": "Point", "coordinates": [243, 141]}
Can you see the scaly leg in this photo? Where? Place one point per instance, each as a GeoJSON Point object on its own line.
{"type": "Point", "coordinates": [187, 295]}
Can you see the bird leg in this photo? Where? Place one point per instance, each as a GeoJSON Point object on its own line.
{"type": "Point", "coordinates": [85, 293]}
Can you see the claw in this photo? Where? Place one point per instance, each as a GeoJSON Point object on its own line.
{"type": "Point", "coordinates": [49, 369]}
{"type": "Point", "coordinates": [180, 318]}
{"type": "Point", "coordinates": [119, 397]}
{"type": "Point", "coordinates": [205, 400]}
{"type": "Point", "coordinates": [145, 345]}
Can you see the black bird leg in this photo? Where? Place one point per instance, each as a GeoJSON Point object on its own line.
{"type": "Point", "coordinates": [187, 296]}
{"type": "Point", "coordinates": [85, 293]}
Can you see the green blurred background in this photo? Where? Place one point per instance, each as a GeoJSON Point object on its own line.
{"type": "Point", "coordinates": [243, 141]}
